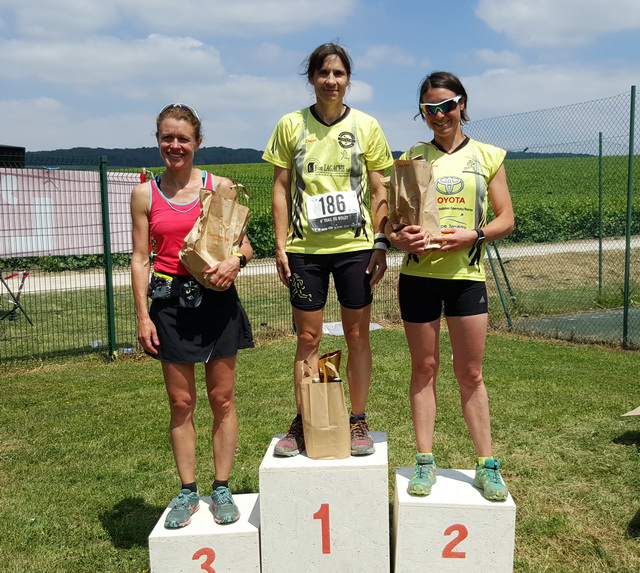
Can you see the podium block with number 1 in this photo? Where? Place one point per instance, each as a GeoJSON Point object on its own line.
{"type": "Point", "coordinates": [325, 515]}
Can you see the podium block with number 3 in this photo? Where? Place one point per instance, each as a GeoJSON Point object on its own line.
{"type": "Point", "coordinates": [204, 546]}
{"type": "Point", "coordinates": [455, 529]}
{"type": "Point", "coordinates": [325, 515]}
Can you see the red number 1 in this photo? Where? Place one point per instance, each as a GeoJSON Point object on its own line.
{"type": "Point", "coordinates": [209, 555]}
{"type": "Point", "coordinates": [463, 532]}
{"type": "Point", "coordinates": [323, 515]}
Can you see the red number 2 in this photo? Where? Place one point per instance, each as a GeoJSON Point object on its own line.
{"type": "Point", "coordinates": [448, 552]}
{"type": "Point", "coordinates": [323, 515]}
{"type": "Point", "coordinates": [209, 555]}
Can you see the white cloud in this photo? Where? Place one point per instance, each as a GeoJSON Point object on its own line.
{"type": "Point", "coordinates": [549, 23]}
{"type": "Point", "coordinates": [242, 18]}
{"type": "Point", "coordinates": [107, 61]}
{"type": "Point", "coordinates": [384, 55]}
{"type": "Point", "coordinates": [503, 59]}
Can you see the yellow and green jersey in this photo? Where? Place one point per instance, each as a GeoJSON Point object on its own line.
{"type": "Point", "coordinates": [329, 178]}
{"type": "Point", "coordinates": [462, 182]}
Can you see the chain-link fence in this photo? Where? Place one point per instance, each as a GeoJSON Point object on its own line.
{"type": "Point", "coordinates": [569, 270]}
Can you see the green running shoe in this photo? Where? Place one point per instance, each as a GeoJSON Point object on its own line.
{"type": "Point", "coordinates": [187, 503]}
{"type": "Point", "coordinates": [489, 480]}
{"type": "Point", "coordinates": [223, 507]}
{"type": "Point", "coordinates": [424, 476]}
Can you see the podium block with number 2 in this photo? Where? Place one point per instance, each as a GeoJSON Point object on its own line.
{"type": "Point", "coordinates": [325, 515]}
{"type": "Point", "coordinates": [455, 529]}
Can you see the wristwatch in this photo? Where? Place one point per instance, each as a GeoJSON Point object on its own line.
{"type": "Point", "coordinates": [243, 259]}
{"type": "Point", "coordinates": [480, 238]}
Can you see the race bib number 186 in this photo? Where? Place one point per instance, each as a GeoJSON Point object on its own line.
{"type": "Point", "coordinates": [333, 211]}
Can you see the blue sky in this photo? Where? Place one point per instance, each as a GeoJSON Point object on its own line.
{"type": "Point", "coordinates": [88, 73]}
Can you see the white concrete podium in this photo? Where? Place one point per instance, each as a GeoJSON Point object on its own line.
{"type": "Point", "coordinates": [455, 529]}
{"type": "Point", "coordinates": [325, 515]}
{"type": "Point", "coordinates": [203, 545]}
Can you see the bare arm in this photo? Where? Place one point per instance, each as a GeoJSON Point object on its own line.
{"type": "Point", "coordinates": [379, 211]}
{"type": "Point", "coordinates": [281, 202]}
{"type": "Point", "coordinates": [141, 266]}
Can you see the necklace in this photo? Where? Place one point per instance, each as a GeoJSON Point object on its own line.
{"type": "Point", "coordinates": [196, 201]}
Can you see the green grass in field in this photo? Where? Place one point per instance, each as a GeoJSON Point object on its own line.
{"type": "Point", "coordinates": [87, 467]}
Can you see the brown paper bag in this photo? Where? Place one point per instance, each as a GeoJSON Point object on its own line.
{"type": "Point", "coordinates": [412, 197]}
{"type": "Point", "coordinates": [325, 419]}
{"type": "Point", "coordinates": [217, 233]}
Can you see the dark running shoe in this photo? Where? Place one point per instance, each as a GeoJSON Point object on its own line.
{"type": "Point", "coordinates": [292, 443]}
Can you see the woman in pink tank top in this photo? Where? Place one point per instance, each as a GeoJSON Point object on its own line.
{"type": "Point", "coordinates": [187, 323]}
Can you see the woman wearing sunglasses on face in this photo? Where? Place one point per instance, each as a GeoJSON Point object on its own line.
{"type": "Point", "coordinates": [187, 323]}
{"type": "Point", "coordinates": [322, 157]}
{"type": "Point", "coordinates": [467, 175]}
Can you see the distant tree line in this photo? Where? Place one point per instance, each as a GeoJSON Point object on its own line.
{"type": "Point", "coordinates": [139, 157]}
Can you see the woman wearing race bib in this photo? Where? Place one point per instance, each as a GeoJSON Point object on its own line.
{"type": "Point", "coordinates": [467, 175]}
{"type": "Point", "coordinates": [187, 323]}
{"type": "Point", "coordinates": [324, 157]}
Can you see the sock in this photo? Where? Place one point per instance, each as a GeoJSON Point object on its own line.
{"type": "Point", "coordinates": [220, 483]}
{"type": "Point", "coordinates": [190, 486]}
{"type": "Point", "coordinates": [482, 460]}
{"type": "Point", "coordinates": [353, 418]}
{"type": "Point", "coordinates": [425, 453]}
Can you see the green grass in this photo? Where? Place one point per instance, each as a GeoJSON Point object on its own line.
{"type": "Point", "coordinates": [87, 467]}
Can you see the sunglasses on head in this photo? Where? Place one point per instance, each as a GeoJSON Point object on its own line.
{"type": "Point", "coordinates": [183, 106]}
{"type": "Point", "coordinates": [445, 106]}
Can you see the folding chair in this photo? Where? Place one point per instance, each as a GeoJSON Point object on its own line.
{"type": "Point", "coordinates": [15, 298]}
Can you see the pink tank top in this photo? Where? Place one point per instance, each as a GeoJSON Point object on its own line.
{"type": "Point", "coordinates": [170, 223]}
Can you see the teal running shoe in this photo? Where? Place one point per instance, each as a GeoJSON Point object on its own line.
{"type": "Point", "coordinates": [187, 503]}
{"type": "Point", "coordinates": [223, 507]}
{"type": "Point", "coordinates": [489, 480]}
{"type": "Point", "coordinates": [424, 476]}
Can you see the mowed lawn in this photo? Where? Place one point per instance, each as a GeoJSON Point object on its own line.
{"type": "Point", "coordinates": [86, 466]}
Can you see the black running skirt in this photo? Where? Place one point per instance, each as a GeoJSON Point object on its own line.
{"type": "Point", "coordinates": [218, 328]}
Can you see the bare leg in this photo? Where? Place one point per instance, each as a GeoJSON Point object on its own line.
{"type": "Point", "coordinates": [423, 342]}
{"type": "Point", "coordinates": [468, 335]}
{"type": "Point", "coordinates": [181, 389]}
{"type": "Point", "coordinates": [309, 329]}
{"type": "Point", "coordinates": [220, 376]}
{"type": "Point", "coordinates": [355, 323]}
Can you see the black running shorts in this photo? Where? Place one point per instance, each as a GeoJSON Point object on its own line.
{"type": "Point", "coordinates": [309, 280]}
{"type": "Point", "coordinates": [422, 299]}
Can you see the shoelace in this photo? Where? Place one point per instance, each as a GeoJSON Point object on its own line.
{"type": "Point", "coordinates": [359, 430]}
{"type": "Point", "coordinates": [223, 497]}
{"type": "Point", "coordinates": [295, 431]}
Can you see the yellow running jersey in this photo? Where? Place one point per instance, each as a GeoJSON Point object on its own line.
{"type": "Point", "coordinates": [462, 181]}
{"type": "Point", "coordinates": [329, 180]}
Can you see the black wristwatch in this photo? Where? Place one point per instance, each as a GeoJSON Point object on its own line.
{"type": "Point", "coordinates": [243, 259]}
{"type": "Point", "coordinates": [480, 238]}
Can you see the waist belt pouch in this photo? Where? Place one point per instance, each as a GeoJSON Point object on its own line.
{"type": "Point", "coordinates": [190, 295]}
{"type": "Point", "coordinates": [159, 287]}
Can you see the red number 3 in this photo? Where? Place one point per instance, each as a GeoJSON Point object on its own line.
{"type": "Point", "coordinates": [448, 552]}
{"type": "Point", "coordinates": [209, 555]}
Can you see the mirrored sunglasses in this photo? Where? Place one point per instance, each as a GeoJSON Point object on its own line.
{"type": "Point", "coordinates": [445, 106]}
{"type": "Point", "coordinates": [183, 106]}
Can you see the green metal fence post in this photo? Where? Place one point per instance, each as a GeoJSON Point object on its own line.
{"type": "Point", "coordinates": [600, 213]}
{"type": "Point", "coordinates": [503, 299]}
{"type": "Point", "coordinates": [108, 261]}
{"type": "Point", "coordinates": [627, 258]}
